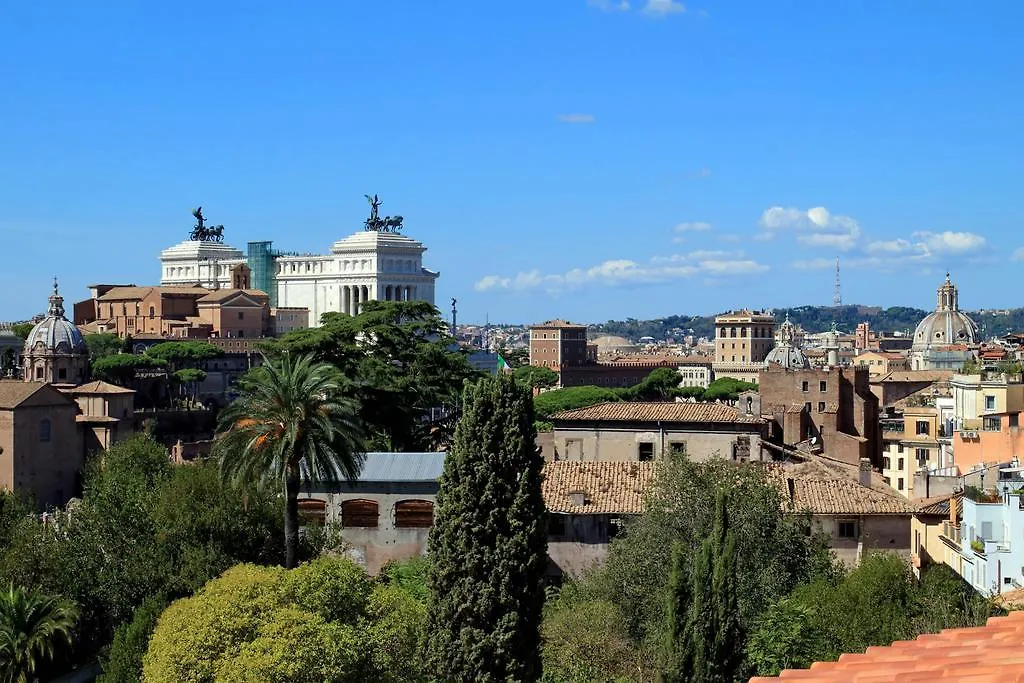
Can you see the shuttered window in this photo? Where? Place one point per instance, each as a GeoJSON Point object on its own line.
{"type": "Point", "coordinates": [313, 511]}
{"type": "Point", "coordinates": [359, 513]}
{"type": "Point", "coordinates": [414, 514]}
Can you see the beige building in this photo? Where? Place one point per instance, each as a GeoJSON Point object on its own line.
{"type": "Point", "coordinates": [639, 432]}
{"type": "Point", "coordinates": [742, 342]}
{"type": "Point", "coordinates": [975, 396]}
{"type": "Point", "coordinates": [105, 414]}
{"type": "Point", "coordinates": [917, 446]}
{"type": "Point", "coordinates": [932, 520]}
{"type": "Point", "coordinates": [881, 362]}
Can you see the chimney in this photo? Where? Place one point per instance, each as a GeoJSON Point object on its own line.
{"type": "Point", "coordinates": [577, 498]}
{"type": "Point", "coordinates": [865, 472]}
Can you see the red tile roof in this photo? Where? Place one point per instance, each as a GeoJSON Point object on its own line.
{"type": "Point", "coordinates": [986, 654]}
{"type": "Point", "coordinates": [607, 487]}
{"type": "Point", "coordinates": [656, 411]}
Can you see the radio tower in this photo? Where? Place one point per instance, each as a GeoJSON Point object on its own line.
{"type": "Point", "coordinates": [837, 297]}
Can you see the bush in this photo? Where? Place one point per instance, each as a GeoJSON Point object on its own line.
{"type": "Point", "coordinates": [550, 402]}
{"type": "Point", "coordinates": [323, 621]}
{"type": "Point", "coordinates": [123, 664]}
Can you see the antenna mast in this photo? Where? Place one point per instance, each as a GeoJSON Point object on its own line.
{"type": "Point", "coordinates": [837, 297]}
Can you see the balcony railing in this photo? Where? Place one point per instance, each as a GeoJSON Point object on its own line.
{"type": "Point", "coordinates": [951, 531]}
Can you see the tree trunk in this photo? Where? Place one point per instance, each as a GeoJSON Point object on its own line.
{"type": "Point", "coordinates": [291, 517]}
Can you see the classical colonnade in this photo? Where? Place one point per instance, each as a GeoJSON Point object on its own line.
{"type": "Point", "coordinates": [352, 296]}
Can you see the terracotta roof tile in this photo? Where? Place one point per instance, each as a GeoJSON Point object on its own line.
{"type": "Point", "coordinates": [827, 487]}
{"type": "Point", "coordinates": [936, 505]}
{"type": "Point", "coordinates": [657, 411]}
{"type": "Point", "coordinates": [607, 487]}
{"type": "Point", "coordinates": [14, 393]}
{"type": "Point", "coordinates": [223, 294]}
{"type": "Point", "coordinates": [100, 387]}
{"type": "Point", "coordinates": [963, 655]}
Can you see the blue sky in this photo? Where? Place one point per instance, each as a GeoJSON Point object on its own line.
{"type": "Point", "coordinates": [570, 158]}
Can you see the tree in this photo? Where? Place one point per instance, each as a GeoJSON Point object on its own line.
{"type": "Point", "coordinates": [727, 388]}
{"type": "Point", "coordinates": [189, 380]}
{"type": "Point", "coordinates": [785, 637]}
{"type": "Point", "coordinates": [22, 330]}
{"type": "Point", "coordinates": [516, 358]}
{"type": "Point", "coordinates": [102, 345]}
{"type": "Point", "coordinates": [536, 376]}
{"type": "Point", "coordinates": [32, 629]}
{"type": "Point", "coordinates": [123, 663]}
{"type": "Point", "coordinates": [290, 422]}
{"type": "Point", "coordinates": [489, 542]}
{"type": "Point", "coordinates": [122, 368]}
{"type": "Point", "coordinates": [548, 403]}
{"type": "Point", "coordinates": [184, 354]}
{"type": "Point", "coordinates": [324, 621]}
{"type": "Point", "coordinates": [406, 371]}
{"type": "Point", "coordinates": [662, 384]}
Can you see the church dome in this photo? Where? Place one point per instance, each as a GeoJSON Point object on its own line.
{"type": "Point", "coordinates": [55, 332]}
{"type": "Point", "coordinates": [948, 324]}
{"type": "Point", "coordinates": [789, 357]}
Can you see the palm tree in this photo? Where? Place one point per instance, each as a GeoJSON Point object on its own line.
{"type": "Point", "coordinates": [290, 422]}
{"type": "Point", "coordinates": [31, 626]}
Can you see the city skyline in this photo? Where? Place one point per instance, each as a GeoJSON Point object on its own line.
{"type": "Point", "coordinates": [583, 160]}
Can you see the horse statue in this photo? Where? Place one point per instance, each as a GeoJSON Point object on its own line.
{"type": "Point", "coordinates": [215, 234]}
{"type": "Point", "coordinates": [393, 224]}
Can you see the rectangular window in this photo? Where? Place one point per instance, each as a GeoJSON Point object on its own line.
{"type": "Point", "coordinates": [990, 402]}
{"type": "Point", "coordinates": [922, 456]}
{"type": "Point", "coordinates": [899, 464]}
{"type": "Point", "coordinates": [886, 464]}
{"type": "Point", "coordinates": [847, 529]}
{"type": "Point", "coordinates": [821, 406]}
{"type": "Point", "coordinates": [823, 386]}
{"type": "Point", "coordinates": [241, 315]}
{"type": "Point", "coordinates": [899, 449]}
{"type": "Point", "coordinates": [899, 484]}
{"type": "Point", "coordinates": [986, 531]}
{"type": "Point", "coordinates": [1013, 420]}
{"type": "Point", "coordinates": [677, 448]}
{"type": "Point", "coordinates": [807, 407]}
{"type": "Point", "coordinates": [645, 451]}
{"type": "Point", "coordinates": [922, 427]}
{"type": "Point", "coordinates": [803, 386]}
{"type": "Point", "coordinates": [990, 423]}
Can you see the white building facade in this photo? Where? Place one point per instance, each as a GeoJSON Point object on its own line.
{"type": "Point", "coordinates": [368, 265]}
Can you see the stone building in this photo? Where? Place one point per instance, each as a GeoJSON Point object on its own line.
{"type": "Point", "coordinates": [55, 350]}
{"type": "Point", "coordinates": [831, 409]}
{"type": "Point", "coordinates": [943, 339]}
{"type": "Point", "coordinates": [640, 432]}
{"type": "Point", "coordinates": [558, 344]}
{"type": "Point", "coordinates": [368, 265]}
{"type": "Point", "coordinates": [742, 342]}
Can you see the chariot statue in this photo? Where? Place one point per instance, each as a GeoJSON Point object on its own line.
{"type": "Point", "coordinates": [378, 224]}
{"type": "Point", "coordinates": [201, 233]}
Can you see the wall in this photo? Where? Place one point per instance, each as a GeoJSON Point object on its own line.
{"type": "Point", "coordinates": [989, 446]}
{"type": "Point", "coordinates": [584, 544]}
{"type": "Point", "coordinates": [622, 444]}
{"type": "Point", "coordinates": [46, 470]}
{"type": "Point", "coordinates": [875, 532]}
{"type": "Point", "coordinates": [373, 548]}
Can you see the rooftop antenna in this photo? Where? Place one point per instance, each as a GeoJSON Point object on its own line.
{"type": "Point", "coordinates": [455, 312]}
{"type": "Point", "coordinates": [837, 296]}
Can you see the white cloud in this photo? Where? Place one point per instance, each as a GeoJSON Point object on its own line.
{"type": "Point", "coordinates": [661, 8]}
{"type": "Point", "coordinates": [728, 237]}
{"type": "Point", "coordinates": [609, 6]}
{"type": "Point", "coordinates": [819, 227]}
{"type": "Point", "coordinates": [950, 242]}
{"type": "Point", "coordinates": [814, 264]}
{"type": "Point", "coordinates": [897, 246]}
{"type": "Point", "coordinates": [693, 227]}
{"type": "Point", "coordinates": [576, 118]}
{"type": "Point", "coordinates": [1018, 255]}
{"type": "Point", "coordinates": [626, 272]}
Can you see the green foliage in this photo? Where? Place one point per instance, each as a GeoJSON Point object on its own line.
{"type": "Point", "coordinates": [121, 368]}
{"type": "Point", "coordinates": [1009, 367]}
{"type": "Point", "coordinates": [727, 388]}
{"type": "Point", "coordinates": [409, 575]}
{"type": "Point", "coordinates": [290, 422]}
{"type": "Point", "coordinates": [489, 542]}
{"type": "Point", "coordinates": [536, 376]}
{"type": "Point", "coordinates": [548, 403]}
{"type": "Point", "coordinates": [22, 330]}
{"type": "Point", "coordinates": [103, 345]}
{"type": "Point", "coordinates": [123, 663]}
{"type": "Point", "coordinates": [706, 637]}
{"type": "Point", "coordinates": [179, 354]}
{"type": "Point", "coordinates": [584, 641]}
{"type": "Point", "coordinates": [661, 385]}
{"type": "Point", "coordinates": [33, 629]}
{"type": "Point", "coordinates": [516, 358]}
{"type": "Point", "coordinates": [324, 621]}
{"type": "Point", "coordinates": [143, 528]}
{"type": "Point", "coordinates": [401, 363]}
{"type": "Point", "coordinates": [785, 637]}
{"type": "Point", "coordinates": [971, 367]}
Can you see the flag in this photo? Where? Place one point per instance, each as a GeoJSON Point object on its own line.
{"type": "Point", "coordinates": [503, 365]}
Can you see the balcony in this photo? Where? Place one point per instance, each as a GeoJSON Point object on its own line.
{"type": "Point", "coordinates": [951, 532]}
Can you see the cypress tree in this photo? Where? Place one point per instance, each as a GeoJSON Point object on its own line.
{"type": "Point", "coordinates": [703, 620]}
{"type": "Point", "coordinates": [489, 542]}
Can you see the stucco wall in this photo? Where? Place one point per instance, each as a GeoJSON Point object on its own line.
{"type": "Point", "coordinates": [622, 445]}
{"type": "Point", "coordinates": [875, 532]}
{"type": "Point", "coordinates": [583, 544]}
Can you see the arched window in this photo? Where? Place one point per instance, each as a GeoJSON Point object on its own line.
{"type": "Point", "coordinates": [152, 312]}
{"type": "Point", "coordinates": [414, 514]}
{"type": "Point", "coordinates": [312, 510]}
{"type": "Point", "coordinates": [44, 429]}
{"type": "Point", "coordinates": [359, 513]}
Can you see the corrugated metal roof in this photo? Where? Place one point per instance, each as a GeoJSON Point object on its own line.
{"type": "Point", "coordinates": [402, 467]}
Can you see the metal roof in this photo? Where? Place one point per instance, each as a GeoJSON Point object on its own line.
{"type": "Point", "coordinates": [402, 467]}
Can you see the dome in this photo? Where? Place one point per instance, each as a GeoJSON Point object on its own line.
{"type": "Point", "coordinates": [948, 324]}
{"type": "Point", "coordinates": [789, 357]}
{"type": "Point", "coordinates": [55, 332]}
{"type": "Point", "coordinates": [610, 342]}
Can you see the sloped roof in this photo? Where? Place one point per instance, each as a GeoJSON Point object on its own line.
{"type": "Point", "coordinates": [402, 467]}
{"type": "Point", "coordinates": [655, 412]}
{"type": "Point", "coordinates": [936, 505]}
{"type": "Point", "coordinates": [916, 376]}
{"type": "Point", "coordinates": [225, 294]}
{"type": "Point", "coordinates": [991, 652]}
{"type": "Point", "coordinates": [823, 486]}
{"type": "Point", "coordinates": [13, 393]}
{"type": "Point", "coordinates": [100, 387]}
{"type": "Point", "coordinates": [134, 293]}
{"type": "Point", "coordinates": [607, 487]}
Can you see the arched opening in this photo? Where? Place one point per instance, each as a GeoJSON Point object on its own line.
{"type": "Point", "coordinates": [312, 511]}
{"type": "Point", "coordinates": [359, 513]}
{"type": "Point", "coordinates": [414, 514]}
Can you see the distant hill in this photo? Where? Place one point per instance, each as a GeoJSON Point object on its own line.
{"type": "Point", "coordinates": [812, 319]}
